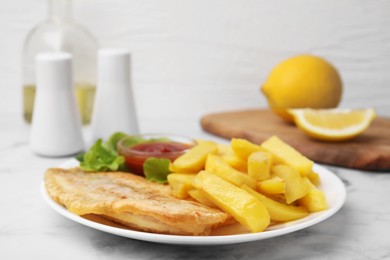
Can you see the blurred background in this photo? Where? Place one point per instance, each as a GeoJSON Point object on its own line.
{"type": "Point", "coordinates": [214, 55]}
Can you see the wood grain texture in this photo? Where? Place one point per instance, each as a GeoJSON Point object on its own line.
{"type": "Point", "coordinates": [369, 151]}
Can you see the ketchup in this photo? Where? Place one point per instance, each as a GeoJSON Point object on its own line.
{"type": "Point", "coordinates": [136, 155]}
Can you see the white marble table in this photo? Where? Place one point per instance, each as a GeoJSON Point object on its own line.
{"type": "Point", "coordinates": [30, 229]}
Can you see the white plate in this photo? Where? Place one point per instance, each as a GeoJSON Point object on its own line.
{"type": "Point", "coordinates": [332, 186]}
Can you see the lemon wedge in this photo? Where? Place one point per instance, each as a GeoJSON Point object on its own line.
{"type": "Point", "coordinates": [333, 124]}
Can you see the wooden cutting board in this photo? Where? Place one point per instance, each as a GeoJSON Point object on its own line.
{"type": "Point", "coordinates": [369, 151]}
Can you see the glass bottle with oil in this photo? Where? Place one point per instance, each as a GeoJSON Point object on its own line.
{"type": "Point", "coordinates": [60, 33]}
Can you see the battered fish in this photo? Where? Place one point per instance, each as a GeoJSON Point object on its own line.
{"type": "Point", "coordinates": [131, 201]}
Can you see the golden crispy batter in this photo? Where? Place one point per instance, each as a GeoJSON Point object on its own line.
{"type": "Point", "coordinates": [130, 200]}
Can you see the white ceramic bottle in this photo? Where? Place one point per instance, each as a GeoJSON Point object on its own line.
{"type": "Point", "coordinates": [56, 128]}
{"type": "Point", "coordinates": [114, 108]}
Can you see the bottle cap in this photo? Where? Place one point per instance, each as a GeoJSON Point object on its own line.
{"type": "Point", "coordinates": [113, 66]}
{"type": "Point", "coordinates": [54, 70]}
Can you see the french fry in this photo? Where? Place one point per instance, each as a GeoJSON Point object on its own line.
{"type": "Point", "coordinates": [218, 166]}
{"type": "Point", "coordinates": [236, 162]}
{"type": "Point", "coordinates": [180, 183]}
{"type": "Point", "coordinates": [194, 159]}
{"type": "Point", "coordinates": [224, 149]}
{"type": "Point", "coordinates": [259, 165]}
{"type": "Point", "coordinates": [285, 154]}
{"type": "Point", "coordinates": [226, 152]}
{"type": "Point", "coordinates": [274, 185]}
{"type": "Point", "coordinates": [314, 200]}
{"type": "Point", "coordinates": [278, 211]}
{"type": "Point", "coordinates": [314, 178]}
{"type": "Point", "coordinates": [243, 148]}
{"type": "Point", "coordinates": [244, 207]}
{"type": "Point", "coordinates": [296, 187]}
{"type": "Point", "coordinates": [200, 197]}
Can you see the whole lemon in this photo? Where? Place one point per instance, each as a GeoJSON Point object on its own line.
{"type": "Point", "coordinates": [303, 81]}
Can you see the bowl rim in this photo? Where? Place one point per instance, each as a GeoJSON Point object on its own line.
{"type": "Point", "coordinates": [127, 151]}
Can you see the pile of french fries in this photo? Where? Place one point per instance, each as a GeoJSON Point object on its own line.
{"type": "Point", "coordinates": [256, 184]}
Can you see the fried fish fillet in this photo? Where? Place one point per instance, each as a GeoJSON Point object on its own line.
{"type": "Point", "coordinates": [131, 201]}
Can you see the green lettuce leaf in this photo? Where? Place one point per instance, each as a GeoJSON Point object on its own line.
{"type": "Point", "coordinates": [113, 140]}
{"type": "Point", "coordinates": [101, 158]}
{"type": "Point", "coordinates": [156, 169]}
{"type": "Point", "coordinates": [80, 157]}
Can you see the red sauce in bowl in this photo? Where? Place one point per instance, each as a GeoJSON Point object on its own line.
{"type": "Point", "coordinates": [160, 148]}
{"type": "Point", "coordinates": [136, 155]}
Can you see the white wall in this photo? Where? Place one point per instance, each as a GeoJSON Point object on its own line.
{"type": "Point", "coordinates": [215, 54]}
